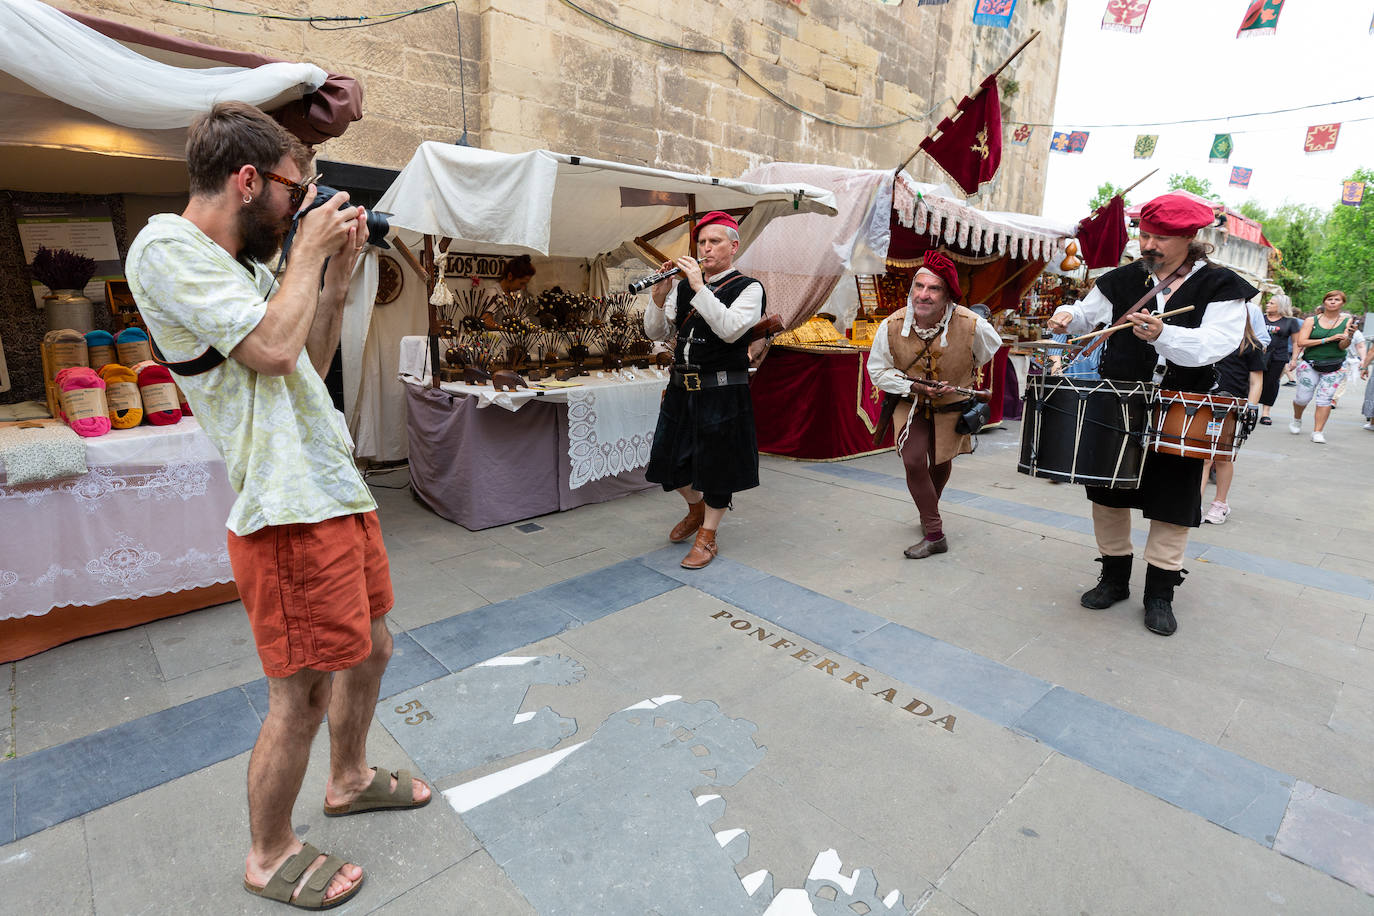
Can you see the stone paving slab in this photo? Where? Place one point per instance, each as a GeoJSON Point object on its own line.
{"type": "Point", "coordinates": [1225, 788]}
{"type": "Point", "coordinates": [1330, 833]}
{"type": "Point", "coordinates": [1114, 849]}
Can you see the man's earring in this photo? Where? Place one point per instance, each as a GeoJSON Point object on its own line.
{"type": "Point", "coordinates": [247, 198]}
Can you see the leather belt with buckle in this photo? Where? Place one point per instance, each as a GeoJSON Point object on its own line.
{"type": "Point", "coordinates": [695, 380]}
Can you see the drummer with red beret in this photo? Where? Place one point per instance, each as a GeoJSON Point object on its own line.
{"type": "Point", "coordinates": [704, 445]}
{"type": "Point", "coordinates": [1177, 353]}
{"type": "Point", "coordinates": [921, 353]}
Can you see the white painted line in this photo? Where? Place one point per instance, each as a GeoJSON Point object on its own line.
{"type": "Point", "coordinates": [469, 795]}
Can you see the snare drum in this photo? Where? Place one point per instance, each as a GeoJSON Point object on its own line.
{"type": "Point", "coordinates": [1193, 425]}
{"type": "Point", "coordinates": [1086, 431]}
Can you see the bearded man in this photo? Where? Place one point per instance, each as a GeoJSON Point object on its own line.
{"type": "Point", "coordinates": [304, 540]}
{"type": "Point", "coordinates": [1177, 353]}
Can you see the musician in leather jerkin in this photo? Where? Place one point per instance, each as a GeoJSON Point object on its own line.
{"type": "Point", "coordinates": [949, 347]}
{"type": "Point", "coordinates": [1177, 352]}
{"type": "Point", "coordinates": [704, 444]}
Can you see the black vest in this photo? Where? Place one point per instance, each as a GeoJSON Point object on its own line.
{"type": "Point", "coordinates": [1127, 358]}
{"type": "Point", "coordinates": [709, 352]}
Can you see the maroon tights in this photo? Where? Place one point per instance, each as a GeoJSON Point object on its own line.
{"type": "Point", "coordinates": [924, 478]}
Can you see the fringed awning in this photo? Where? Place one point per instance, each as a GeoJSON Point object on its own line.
{"type": "Point", "coordinates": [975, 232]}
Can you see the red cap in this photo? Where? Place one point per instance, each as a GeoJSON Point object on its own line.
{"type": "Point", "coordinates": [944, 268]}
{"type": "Point", "coordinates": [1175, 214]}
{"type": "Point", "coordinates": [716, 217]}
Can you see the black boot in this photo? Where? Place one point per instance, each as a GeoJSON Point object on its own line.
{"type": "Point", "coordinates": [1113, 585]}
{"type": "Point", "coordinates": [1159, 599]}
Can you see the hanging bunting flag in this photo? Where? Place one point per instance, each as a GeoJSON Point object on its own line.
{"type": "Point", "coordinates": [969, 148]}
{"type": "Point", "coordinates": [1321, 137]}
{"type": "Point", "coordinates": [1060, 141]}
{"type": "Point", "coordinates": [1078, 141]}
{"type": "Point", "coordinates": [1125, 15]}
{"type": "Point", "coordinates": [1145, 145]}
{"type": "Point", "coordinates": [1221, 148]}
{"type": "Point", "coordinates": [993, 12]}
{"type": "Point", "coordinates": [1352, 193]}
{"type": "Point", "coordinates": [1240, 178]}
{"type": "Point", "coordinates": [1262, 18]}
{"type": "Point", "coordinates": [1021, 136]}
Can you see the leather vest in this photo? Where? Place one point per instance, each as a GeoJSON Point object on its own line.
{"type": "Point", "coordinates": [951, 362]}
{"type": "Point", "coordinates": [709, 352]}
{"type": "Point", "coordinates": [1127, 358]}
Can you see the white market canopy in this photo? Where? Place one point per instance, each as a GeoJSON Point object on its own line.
{"type": "Point", "coordinates": [544, 203]}
{"type": "Point", "coordinates": [84, 112]}
{"type": "Point", "coordinates": [560, 205]}
{"type": "Point", "coordinates": [803, 261]}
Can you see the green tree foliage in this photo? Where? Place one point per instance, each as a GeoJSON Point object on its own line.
{"type": "Point", "coordinates": [1105, 192]}
{"type": "Point", "coordinates": [1182, 181]}
{"type": "Point", "coordinates": [1345, 257]}
{"type": "Point", "coordinates": [1256, 212]}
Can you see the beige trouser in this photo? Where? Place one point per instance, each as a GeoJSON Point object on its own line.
{"type": "Point", "coordinates": [1164, 548]}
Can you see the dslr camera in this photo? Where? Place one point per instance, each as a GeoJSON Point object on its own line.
{"type": "Point", "coordinates": [377, 225]}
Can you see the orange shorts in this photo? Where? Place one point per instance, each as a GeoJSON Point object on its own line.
{"type": "Point", "coordinates": [312, 591]}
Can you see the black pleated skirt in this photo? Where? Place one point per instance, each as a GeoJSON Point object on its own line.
{"type": "Point", "coordinates": [705, 439]}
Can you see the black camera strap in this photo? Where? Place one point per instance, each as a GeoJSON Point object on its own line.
{"type": "Point", "coordinates": [197, 366]}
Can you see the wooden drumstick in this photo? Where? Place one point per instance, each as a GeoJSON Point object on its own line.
{"type": "Point", "coordinates": [1117, 327]}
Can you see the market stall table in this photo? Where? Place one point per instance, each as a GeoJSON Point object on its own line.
{"type": "Point", "coordinates": [816, 403]}
{"type": "Point", "coordinates": [138, 537]}
{"type": "Point", "coordinates": [482, 458]}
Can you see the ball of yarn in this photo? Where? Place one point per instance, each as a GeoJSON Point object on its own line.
{"type": "Point", "coordinates": [122, 396]}
{"type": "Point", "coordinates": [78, 380]}
{"type": "Point", "coordinates": [160, 406]}
{"type": "Point", "coordinates": [132, 346]}
{"type": "Point", "coordinates": [100, 349]}
{"type": "Point", "coordinates": [66, 350]}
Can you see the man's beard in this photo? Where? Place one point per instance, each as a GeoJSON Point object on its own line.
{"type": "Point", "coordinates": [260, 233]}
{"type": "Point", "coordinates": [1152, 258]}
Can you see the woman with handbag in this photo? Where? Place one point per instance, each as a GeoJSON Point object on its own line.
{"type": "Point", "coordinates": [1324, 338]}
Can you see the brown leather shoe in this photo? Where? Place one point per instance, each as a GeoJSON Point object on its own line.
{"type": "Point", "coordinates": [703, 550]}
{"type": "Point", "coordinates": [926, 548]}
{"type": "Point", "coordinates": [696, 514]}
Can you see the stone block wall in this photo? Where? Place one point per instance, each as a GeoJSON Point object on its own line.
{"type": "Point", "coordinates": [541, 73]}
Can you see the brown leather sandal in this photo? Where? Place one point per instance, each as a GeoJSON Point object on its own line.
{"type": "Point", "coordinates": [282, 884]}
{"type": "Point", "coordinates": [379, 795]}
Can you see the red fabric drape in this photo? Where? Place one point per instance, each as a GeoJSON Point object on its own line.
{"type": "Point", "coordinates": [806, 405]}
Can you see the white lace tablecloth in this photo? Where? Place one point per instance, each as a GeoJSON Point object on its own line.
{"type": "Point", "coordinates": [147, 519]}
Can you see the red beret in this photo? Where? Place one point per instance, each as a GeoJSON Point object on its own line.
{"type": "Point", "coordinates": [1175, 214]}
{"type": "Point", "coordinates": [716, 217]}
{"type": "Point", "coordinates": [944, 268]}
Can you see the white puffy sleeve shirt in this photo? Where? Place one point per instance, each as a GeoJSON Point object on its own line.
{"type": "Point", "coordinates": [729, 324]}
{"type": "Point", "coordinates": [1221, 331]}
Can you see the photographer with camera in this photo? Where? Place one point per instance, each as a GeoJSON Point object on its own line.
{"type": "Point", "coordinates": [303, 538]}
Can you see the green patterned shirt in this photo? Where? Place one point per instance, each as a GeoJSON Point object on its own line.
{"type": "Point", "coordinates": [285, 446]}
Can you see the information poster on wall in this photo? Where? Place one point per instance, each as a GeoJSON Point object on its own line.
{"type": "Point", "coordinates": [83, 227]}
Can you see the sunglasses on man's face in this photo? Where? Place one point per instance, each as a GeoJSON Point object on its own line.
{"type": "Point", "coordinates": [296, 191]}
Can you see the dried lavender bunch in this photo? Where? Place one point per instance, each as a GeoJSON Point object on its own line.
{"type": "Point", "coordinates": [58, 268]}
